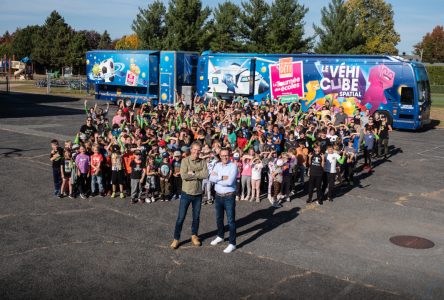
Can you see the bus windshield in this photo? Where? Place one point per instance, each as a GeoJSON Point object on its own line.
{"type": "Point", "coordinates": [423, 92]}
{"type": "Point", "coordinates": [423, 85]}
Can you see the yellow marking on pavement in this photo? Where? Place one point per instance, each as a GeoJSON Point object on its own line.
{"type": "Point", "coordinates": [402, 199]}
{"type": "Point", "coordinates": [439, 194]}
{"type": "Point", "coordinates": [311, 206]}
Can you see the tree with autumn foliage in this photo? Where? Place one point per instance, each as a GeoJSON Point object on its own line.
{"type": "Point", "coordinates": [431, 48]}
{"type": "Point", "coordinates": [128, 42]}
{"type": "Point", "coordinates": [375, 21]}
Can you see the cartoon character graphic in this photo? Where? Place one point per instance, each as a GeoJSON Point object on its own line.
{"type": "Point", "coordinates": [380, 79]}
{"type": "Point", "coordinates": [314, 93]}
{"type": "Point", "coordinates": [106, 70]}
{"type": "Point", "coordinates": [235, 78]}
{"type": "Point", "coordinates": [229, 82]}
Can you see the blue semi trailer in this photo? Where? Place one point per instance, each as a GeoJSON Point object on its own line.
{"type": "Point", "coordinates": [390, 85]}
{"type": "Point", "coordinates": [140, 75]}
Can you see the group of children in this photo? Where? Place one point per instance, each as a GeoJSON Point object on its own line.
{"type": "Point", "coordinates": [138, 152]}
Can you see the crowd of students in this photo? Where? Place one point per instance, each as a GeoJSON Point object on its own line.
{"type": "Point", "coordinates": [138, 151]}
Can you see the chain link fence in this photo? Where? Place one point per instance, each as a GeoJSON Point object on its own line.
{"type": "Point", "coordinates": [75, 84]}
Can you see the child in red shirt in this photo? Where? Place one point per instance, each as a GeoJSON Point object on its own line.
{"type": "Point", "coordinates": [96, 171]}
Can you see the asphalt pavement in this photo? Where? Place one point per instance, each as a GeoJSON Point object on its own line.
{"type": "Point", "coordinates": [109, 249]}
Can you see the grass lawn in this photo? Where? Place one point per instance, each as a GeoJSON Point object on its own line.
{"type": "Point", "coordinates": [437, 100]}
{"type": "Point", "coordinates": [29, 87]}
{"type": "Point", "coordinates": [437, 112]}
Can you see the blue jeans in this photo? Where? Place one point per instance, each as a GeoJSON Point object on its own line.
{"type": "Point", "coordinates": [57, 176]}
{"type": "Point", "coordinates": [96, 179]}
{"type": "Point", "coordinates": [185, 201]}
{"type": "Point", "coordinates": [228, 204]}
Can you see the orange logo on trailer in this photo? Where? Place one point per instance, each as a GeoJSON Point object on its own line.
{"type": "Point", "coordinates": [286, 67]}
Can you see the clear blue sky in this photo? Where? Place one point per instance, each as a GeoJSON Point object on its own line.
{"type": "Point", "coordinates": [413, 18]}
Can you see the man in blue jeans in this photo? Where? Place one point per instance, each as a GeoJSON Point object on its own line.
{"type": "Point", "coordinates": [192, 171]}
{"type": "Point", "coordinates": [224, 176]}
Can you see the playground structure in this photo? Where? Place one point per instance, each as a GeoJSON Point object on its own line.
{"type": "Point", "coordinates": [18, 69]}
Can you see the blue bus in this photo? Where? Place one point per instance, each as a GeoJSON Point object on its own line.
{"type": "Point", "coordinates": [389, 85]}
{"type": "Point", "coordinates": [140, 75]}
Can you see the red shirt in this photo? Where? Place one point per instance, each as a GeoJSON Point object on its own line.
{"type": "Point", "coordinates": [241, 142]}
{"type": "Point", "coordinates": [96, 162]}
{"type": "Point", "coordinates": [128, 157]}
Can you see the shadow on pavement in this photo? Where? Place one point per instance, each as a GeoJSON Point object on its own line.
{"type": "Point", "coordinates": [22, 105]}
{"type": "Point", "coordinates": [14, 152]}
{"type": "Point", "coordinates": [271, 221]}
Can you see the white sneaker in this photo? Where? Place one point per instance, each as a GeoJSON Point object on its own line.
{"type": "Point", "coordinates": [230, 248]}
{"type": "Point", "coordinates": [237, 198]}
{"type": "Point", "coordinates": [147, 200]}
{"type": "Point", "coordinates": [216, 241]}
{"type": "Point", "coordinates": [153, 200]}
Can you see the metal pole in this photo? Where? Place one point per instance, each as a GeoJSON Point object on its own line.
{"type": "Point", "coordinates": [48, 84]}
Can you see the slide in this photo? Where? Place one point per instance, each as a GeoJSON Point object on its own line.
{"type": "Point", "coordinates": [19, 71]}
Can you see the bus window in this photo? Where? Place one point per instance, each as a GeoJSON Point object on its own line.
{"type": "Point", "coordinates": [407, 96]}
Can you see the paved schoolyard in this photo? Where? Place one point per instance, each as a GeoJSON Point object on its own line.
{"type": "Point", "coordinates": [104, 248]}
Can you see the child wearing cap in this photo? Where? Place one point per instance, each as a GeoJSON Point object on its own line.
{"type": "Point", "coordinates": [165, 175]}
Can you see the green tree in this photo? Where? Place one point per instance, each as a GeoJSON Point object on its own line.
{"type": "Point", "coordinates": [51, 42]}
{"type": "Point", "coordinates": [75, 54]}
{"type": "Point", "coordinates": [225, 30]}
{"type": "Point", "coordinates": [105, 42]}
{"type": "Point", "coordinates": [431, 48]}
{"type": "Point", "coordinates": [187, 24]}
{"type": "Point", "coordinates": [149, 26]}
{"type": "Point", "coordinates": [285, 33]}
{"type": "Point", "coordinates": [339, 33]}
{"type": "Point", "coordinates": [22, 44]}
{"type": "Point", "coordinates": [254, 20]}
{"type": "Point", "coordinates": [375, 20]}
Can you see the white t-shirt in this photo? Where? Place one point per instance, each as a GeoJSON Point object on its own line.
{"type": "Point", "coordinates": [330, 162]}
{"type": "Point", "coordinates": [256, 172]}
